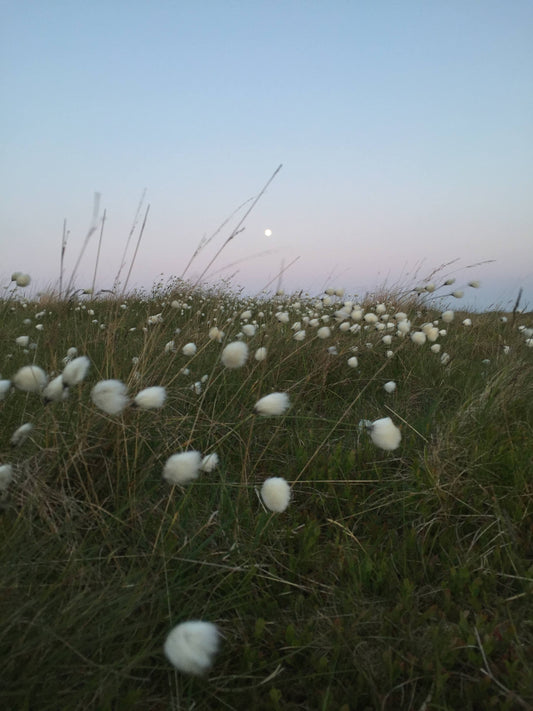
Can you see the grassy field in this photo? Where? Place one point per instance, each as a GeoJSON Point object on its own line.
{"type": "Point", "coordinates": [395, 579]}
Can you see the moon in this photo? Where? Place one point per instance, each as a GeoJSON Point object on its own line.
{"type": "Point", "coordinates": [268, 233]}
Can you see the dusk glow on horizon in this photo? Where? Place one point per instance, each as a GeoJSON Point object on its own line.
{"type": "Point", "coordinates": [405, 134]}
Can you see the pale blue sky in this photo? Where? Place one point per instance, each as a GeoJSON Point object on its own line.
{"type": "Point", "coordinates": [405, 130]}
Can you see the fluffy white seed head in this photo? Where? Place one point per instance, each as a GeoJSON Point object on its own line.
{"type": "Point", "coordinates": [30, 379]}
{"type": "Point", "coordinates": [183, 467]}
{"type": "Point", "coordinates": [299, 335]}
{"type": "Point", "coordinates": [22, 341]}
{"type": "Point", "coordinates": [404, 326]}
{"type": "Point", "coordinates": [191, 646]}
{"type": "Point", "coordinates": [260, 354]}
{"type": "Point", "coordinates": [75, 371]}
{"type": "Point", "coordinates": [273, 404]}
{"type": "Point", "coordinates": [448, 316]}
{"type": "Point", "coordinates": [248, 329]}
{"type": "Point", "coordinates": [156, 318]}
{"type": "Point", "coordinates": [234, 355]}
{"type": "Point", "coordinates": [20, 434]}
{"type": "Point", "coordinates": [22, 279]}
{"type": "Point", "coordinates": [418, 337]}
{"type": "Point", "coordinates": [353, 362]}
{"type": "Point", "coordinates": [55, 391]}
{"type": "Point", "coordinates": [111, 396]}
{"type": "Point", "coordinates": [276, 494]}
{"type": "Point", "coordinates": [5, 386]}
{"type": "Point", "coordinates": [385, 434]}
{"type": "Point", "coordinates": [324, 332]}
{"type": "Point", "coordinates": [189, 349]}
{"type": "Point", "coordinates": [215, 334]}
{"type": "Point", "coordinates": [209, 462]}
{"type": "Point", "coordinates": [6, 476]}
{"type": "Point", "coordinates": [390, 387]}
{"type": "Point", "coordinates": [151, 398]}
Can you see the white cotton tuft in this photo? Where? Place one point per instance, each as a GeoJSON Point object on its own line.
{"type": "Point", "coordinates": [75, 371]}
{"type": "Point", "coordinates": [189, 349]}
{"type": "Point", "coordinates": [418, 337]}
{"type": "Point", "coordinates": [156, 318]}
{"type": "Point", "coordinates": [390, 387]}
{"type": "Point", "coordinates": [273, 404]}
{"type": "Point", "coordinates": [260, 354]}
{"type": "Point", "coordinates": [30, 379]}
{"type": "Point", "coordinates": [276, 494]}
{"type": "Point", "coordinates": [234, 355]}
{"type": "Point", "coordinates": [215, 334]}
{"type": "Point", "coordinates": [22, 279]}
{"type": "Point", "coordinates": [6, 476]}
{"type": "Point", "coordinates": [22, 341]}
{"type": "Point", "coordinates": [248, 329]}
{"type": "Point", "coordinates": [5, 386]}
{"type": "Point", "coordinates": [191, 646]}
{"type": "Point", "coordinates": [448, 316]}
{"type": "Point", "coordinates": [353, 362]}
{"type": "Point", "coordinates": [385, 434]}
{"type": "Point", "coordinates": [20, 434]}
{"type": "Point", "coordinates": [404, 326]}
{"type": "Point", "coordinates": [55, 390]}
{"type": "Point", "coordinates": [111, 396]}
{"type": "Point", "coordinates": [151, 398]}
{"type": "Point", "coordinates": [209, 462]}
{"type": "Point", "coordinates": [324, 332]}
{"type": "Point", "coordinates": [183, 467]}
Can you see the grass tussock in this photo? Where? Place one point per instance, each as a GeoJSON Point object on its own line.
{"type": "Point", "coordinates": [389, 579]}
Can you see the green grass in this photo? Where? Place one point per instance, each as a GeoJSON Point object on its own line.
{"type": "Point", "coordinates": [394, 580]}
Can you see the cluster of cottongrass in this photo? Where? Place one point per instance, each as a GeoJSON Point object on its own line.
{"type": "Point", "coordinates": [350, 330]}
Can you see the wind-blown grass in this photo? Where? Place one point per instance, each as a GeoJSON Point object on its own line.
{"type": "Point", "coordinates": [392, 580]}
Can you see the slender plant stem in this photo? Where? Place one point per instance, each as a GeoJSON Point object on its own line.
{"type": "Point", "coordinates": [130, 235]}
{"type": "Point", "coordinates": [204, 242]}
{"type": "Point", "coordinates": [239, 227]}
{"type": "Point", "coordinates": [98, 252]}
{"type": "Point", "coordinates": [92, 230]}
{"type": "Point", "coordinates": [62, 259]}
{"type": "Point", "coordinates": [136, 248]}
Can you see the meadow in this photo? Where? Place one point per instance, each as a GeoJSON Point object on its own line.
{"type": "Point", "coordinates": [396, 576]}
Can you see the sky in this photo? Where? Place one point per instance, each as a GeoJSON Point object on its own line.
{"type": "Point", "coordinates": [404, 131]}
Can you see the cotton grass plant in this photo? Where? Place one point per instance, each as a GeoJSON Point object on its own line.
{"type": "Point", "coordinates": [363, 546]}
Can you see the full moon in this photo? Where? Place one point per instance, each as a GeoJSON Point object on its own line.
{"type": "Point", "coordinates": [268, 233]}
